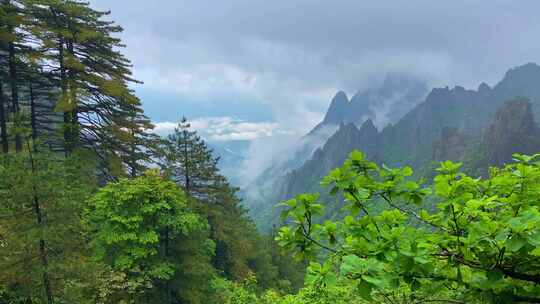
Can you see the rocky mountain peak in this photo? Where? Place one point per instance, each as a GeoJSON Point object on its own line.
{"type": "Point", "coordinates": [512, 130]}
{"type": "Point", "coordinates": [528, 70]}
{"type": "Point", "coordinates": [368, 128]}
{"type": "Point", "coordinates": [484, 89]}
{"type": "Point", "coordinates": [522, 79]}
{"type": "Point", "coordinates": [451, 123]}
{"type": "Point", "coordinates": [451, 146]}
{"type": "Point", "coordinates": [384, 104]}
{"type": "Point", "coordinates": [338, 109]}
{"type": "Point", "coordinates": [438, 94]}
{"type": "Point", "coordinates": [458, 90]}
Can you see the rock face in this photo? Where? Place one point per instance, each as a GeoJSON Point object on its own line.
{"type": "Point", "coordinates": [513, 130]}
{"type": "Point", "coordinates": [484, 89]}
{"type": "Point", "coordinates": [440, 127]}
{"type": "Point", "coordinates": [385, 104]}
{"type": "Point", "coordinates": [452, 146]}
{"type": "Point", "coordinates": [397, 95]}
{"type": "Point", "coordinates": [338, 109]}
{"type": "Point", "coordinates": [332, 154]}
{"type": "Point", "coordinates": [379, 106]}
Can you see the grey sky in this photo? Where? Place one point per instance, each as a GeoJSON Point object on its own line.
{"type": "Point", "coordinates": [282, 60]}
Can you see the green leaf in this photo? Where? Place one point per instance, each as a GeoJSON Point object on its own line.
{"type": "Point", "coordinates": [364, 289]}
{"type": "Point", "coordinates": [374, 281]}
{"type": "Point", "coordinates": [407, 171]}
{"type": "Point", "coordinates": [515, 243]}
{"type": "Point", "coordinates": [352, 264]}
{"type": "Point", "coordinates": [494, 276]}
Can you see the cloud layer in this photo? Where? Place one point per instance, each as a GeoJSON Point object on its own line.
{"type": "Point", "coordinates": [281, 51]}
{"type": "Point", "coordinates": [276, 64]}
{"type": "Point", "coordinates": [225, 129]}
{"type": "Point", "coordinates": [292, 56]}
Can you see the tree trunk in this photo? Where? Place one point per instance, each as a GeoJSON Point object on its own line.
{"type": "Point", "coordinates": [42, 246]}
{"type": "Point", "coordinates": [14, 91]}
{"type": "Point", "coordinates": [132, 161]}
{"type": "Point", "coordinates": [168, 284]}
{"type": "Point", "coordinates": [73, 93]}
{"type": "Point", "coordinates": [133, 147]}
{"type": "Point", "coordinates": [186, 164]}
{"type": "Point", "coordinates": [3, 125]}
{"type": "Point", "coordinates": [63, 86]}
{"type": "Point", "coordinates": [33, 118]}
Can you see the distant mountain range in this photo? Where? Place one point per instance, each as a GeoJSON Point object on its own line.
{"type": "Point", "coordinates": [398, 124]}
{"type": "Point", "coordinates": [396, 96]}
{"type": "Point", "coordinates": [385, 104]}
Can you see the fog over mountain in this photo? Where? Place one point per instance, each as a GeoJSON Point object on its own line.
{"type": "Point", "coordinates": [478, 127]}
{"type": "Point", "coordinates": [235, 60]}
{"type": "Point", "coordinates": [257, 151]}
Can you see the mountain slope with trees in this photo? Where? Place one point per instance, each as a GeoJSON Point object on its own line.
{"type": "Point", "coordinates": [416, 138]}
{"type": "Point", "coordinates": [383, 104]}
{"type": "Point", "coordinates": [94, 208]}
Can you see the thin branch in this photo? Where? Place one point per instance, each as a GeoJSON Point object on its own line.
{"type": "Point", "coordinates": [410, 212]}
{"type": "Point", "coordinates": [365, 210]}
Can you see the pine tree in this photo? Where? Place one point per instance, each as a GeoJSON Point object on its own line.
{"type": "Point", "coordinates": [60, 72]}
{"type": "Point", "coordinates": [3, 121]}
{"type": "Point", "coordinates": [5, 37]}
{"type": "Point", "coordinates": [12, 47]}
{"type": "Point", "coordinates": [239, 248]}
{"type": "Point", "coordinates": [82, 59]}
{"type": "Point", "coordinates": [189, 162]}
{"type": "Point", "coordinates": [133, 144]}
{"type": "Point", "coordinates": [43, 122]}
{"type": "Point", "coordinates": [44, 256]}
{"type": "Point", "coordinates": [65, 74]}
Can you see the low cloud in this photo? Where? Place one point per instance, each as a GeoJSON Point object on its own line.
{"type": "Point", "coordinates": [225, 128]}
{"type": "Point", "coordinates": [218, 52]}
{"type": "Point", "coordinates": [280, 153]}
{"type": "Point", "coordinates": [291, 57]}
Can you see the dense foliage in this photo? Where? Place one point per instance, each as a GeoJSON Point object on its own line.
{"type": "Point", "coordinates": [63, 76]}
{"type": "Point", "coordinates": [136, 226]}
{"type": "Point", "coordinates": [240, 251]}
{"type": "Point", "coordinates": [82, 218]}
{"type": "Point", "coordinates": [41, 235]}
{"type": "Point", "coordinates": [66, 239]}
{"type": "Point", "coordinates": [463, 240]}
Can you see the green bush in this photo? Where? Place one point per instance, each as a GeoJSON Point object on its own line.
{"type": "Point", "coordinates": [480, 244]}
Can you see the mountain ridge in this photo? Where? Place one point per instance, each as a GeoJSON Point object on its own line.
{"type": "Point", "coordinates": [395, 88]}
{"type": "Point", "coordinates": [416, 136]}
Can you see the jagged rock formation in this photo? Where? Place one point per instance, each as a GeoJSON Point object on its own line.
{"type": "Point", "coordinates": [452, 146]}
{"type": "Point", "coordinates": [384, 105]}
{"type": "Point", "coordinates": [412, 139]}
{"type": "Point", "coordinates": [332, 154]}
{"type": "Point", "coordinates": [513, 130]}
{"type": "Point", "coordinates": [441, 127]}
{"type": "Point", "coordinates": [339, 108]}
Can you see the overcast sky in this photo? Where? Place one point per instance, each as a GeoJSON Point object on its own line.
{"type": "Point", "coordinates": [278, 63]}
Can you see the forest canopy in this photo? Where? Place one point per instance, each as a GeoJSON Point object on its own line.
{"type": "Point", "coordinates": [95, 207]}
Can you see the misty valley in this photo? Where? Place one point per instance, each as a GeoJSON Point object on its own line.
{"type": "Point", "coordinates": [248, 152]}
